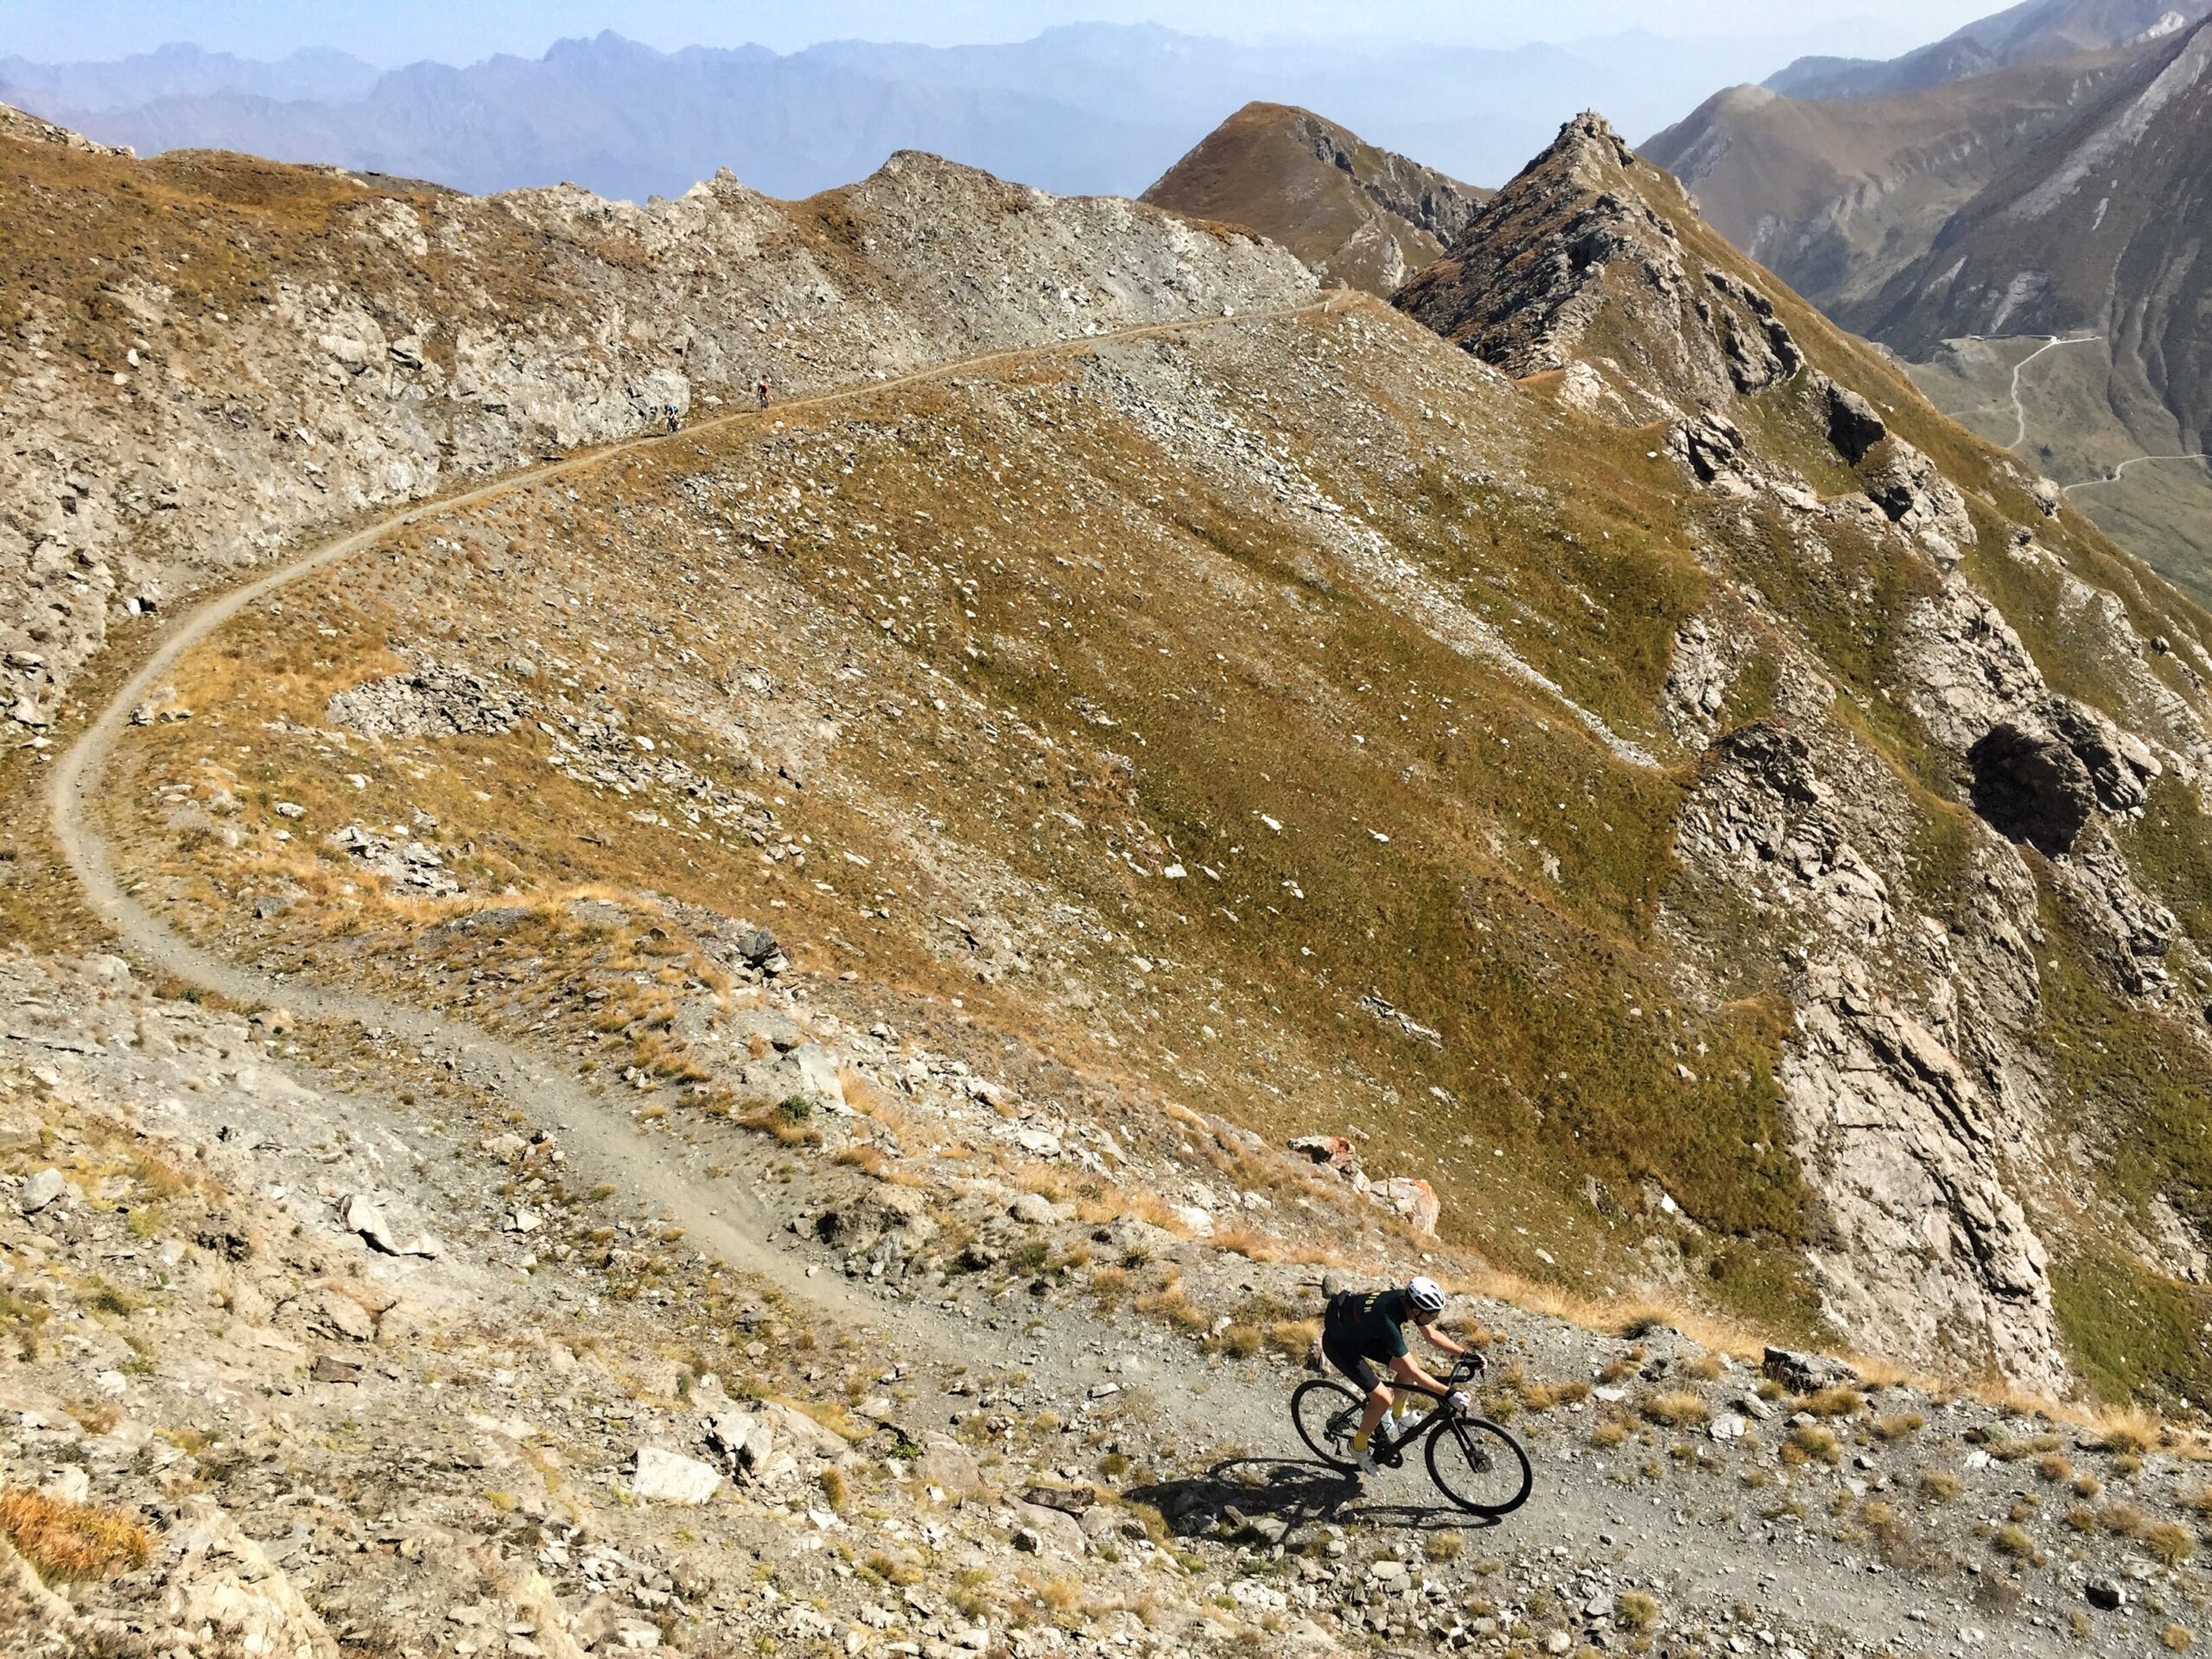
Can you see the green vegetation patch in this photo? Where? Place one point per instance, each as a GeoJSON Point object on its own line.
{"type": "Point", "coordinates": [2134, 1333]}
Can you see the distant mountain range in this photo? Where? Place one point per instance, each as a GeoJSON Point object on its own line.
{"type": "Point", "coordinates": [2066, 194]}
{"type": "Point", "coordinates": [2035, 31]}
{"type": "Point", "coordinates": [1083, 109]}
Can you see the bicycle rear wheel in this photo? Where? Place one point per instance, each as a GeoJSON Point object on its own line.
{"type": "Point", "coordinates": [1327, 1417]}
{"type": "Point", "coordinates": [1478, 1466]}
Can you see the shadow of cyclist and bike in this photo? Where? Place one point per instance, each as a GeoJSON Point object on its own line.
{"type": "Point", "coordinates": [1245, 1495]}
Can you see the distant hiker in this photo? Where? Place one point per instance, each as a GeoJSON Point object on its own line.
{"type": "Point", "coordinates": [675, 421]}
{"type": "Point", "coordinates": [761, 391]}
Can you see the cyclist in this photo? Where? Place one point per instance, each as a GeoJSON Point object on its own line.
{"type": "Point", "coordinates": [1363, 1331]}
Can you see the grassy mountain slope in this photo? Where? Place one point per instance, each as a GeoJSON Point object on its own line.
{"type": "Point", "coordinates": [1919, 626]}
{"type": "Point", "coordinates": [1359, 216]}
{"type": "Point", "coordinates": [1680, 801]}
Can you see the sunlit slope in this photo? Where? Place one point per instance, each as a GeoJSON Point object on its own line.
{"type": "Point", "coordinates": [1618, 794]}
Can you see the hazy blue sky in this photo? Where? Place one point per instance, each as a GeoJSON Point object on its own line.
{"type": "Point", "coordinates": [396, 31]}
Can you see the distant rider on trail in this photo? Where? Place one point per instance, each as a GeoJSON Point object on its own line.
{"type": "Point", "coordinates": [1363, 1331]}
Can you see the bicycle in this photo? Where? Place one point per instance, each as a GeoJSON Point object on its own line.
{"type": "Point", "coordinates": [1473, 1461]}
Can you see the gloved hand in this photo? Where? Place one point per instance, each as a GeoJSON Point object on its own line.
{"type": "Point", "coordinates": [1461, 1402]}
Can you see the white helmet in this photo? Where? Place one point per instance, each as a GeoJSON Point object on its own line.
{"type": "Point", "coordinates": [1426, 1295]}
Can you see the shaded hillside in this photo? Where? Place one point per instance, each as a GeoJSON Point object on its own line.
{"type": "Point", "coordinates": [1358, 216]}
{"type": "Point", "coordinates": [1838, 195]}
{"type": "Point", "coordinates": [2032, 32]}
{"type": "Point", "coordinates": [2101, 227]}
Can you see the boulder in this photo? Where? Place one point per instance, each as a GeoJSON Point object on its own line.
{"type": "Point", "coordinates": [1803, 1373]}
{"type": "Point", "coordinates": [948, 1464]}
{"type": "Point", "coordinates": [731, 1432]}
{"type": "Point", "coordinates": [362, 1216]}
{"type": "Point", "coordinates": [1056, 1532]}
{"type": "Point", "coordinates": [1329, 1151]}
{"type": "Point", "coordinates": [1033, 1208]}
{"type": "Point", "coordinates": [671, 1477]}
{"type": "Point", "coordinates": [41, 1190]}
{"type": "Point", "coordinates": [1855, 428]}
{"type": "Point", "coordinates": [1414, 1199]}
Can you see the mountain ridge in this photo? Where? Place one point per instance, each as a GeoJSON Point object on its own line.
{"type": "Point", "coordinates": [1356, 214]}
{"type": "Point", "coordinates": [2034, 31]}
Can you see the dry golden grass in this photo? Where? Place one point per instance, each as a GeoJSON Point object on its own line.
{"type": "Point", "coordinates": [1675, 1408]}
{"type": "Point", "coordinates": [2170, 1541]}
{"type": "Point", "coordinates": [1611, 1317]}
{"type": "Point", "coordinates": [1940, 1485]}
{"type": "Point", "coordinates": [2122, 1521]}
{"type": "Point", "coordinates": [1242, 1341]}
{"type": "Point", "coordinates": [1836, 1402]}
{"type": "Point", "coordinates": [1812, 1443]}
{"type": "Point", "coordinates": [2128, 1434]}
{"type": "Point", "coordinates": [65, 1542]}
{"type": "Point", "coordinates": [1172, 1303]}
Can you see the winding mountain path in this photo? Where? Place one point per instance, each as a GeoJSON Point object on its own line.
{"type": "Point", "coordinates": [600, 1138]}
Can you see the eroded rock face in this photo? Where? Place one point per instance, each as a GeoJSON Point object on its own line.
{"type": "Point", "coordinates": [1928, 1241]}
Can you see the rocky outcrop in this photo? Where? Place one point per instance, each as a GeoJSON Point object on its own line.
{"type": "Point", "coordinates": [2031, 787]}
{"type": "Point", "coordinates": [1571, 243]}
{"type": "Point", "coordinates": [1926, 1239]}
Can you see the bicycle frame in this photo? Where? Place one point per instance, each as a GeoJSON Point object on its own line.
{"type": "Point", "coordinates": [1392, 1445]}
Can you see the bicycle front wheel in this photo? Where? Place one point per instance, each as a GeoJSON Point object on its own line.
{"type": "Point", "coordinates": [1327, 1417]}
{"type": "Point", "coordinates": [1479, 1467]}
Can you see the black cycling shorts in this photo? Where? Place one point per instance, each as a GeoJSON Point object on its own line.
{"type": "Point", "coordinates": [1336, 1347]}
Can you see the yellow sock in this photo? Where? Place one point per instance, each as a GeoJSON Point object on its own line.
{"type": "Point", "coordinates": [1359, 1441]}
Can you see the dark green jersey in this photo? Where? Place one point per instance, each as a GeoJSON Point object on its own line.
{"type": "Point", "coordinates": [1374, 1324]}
